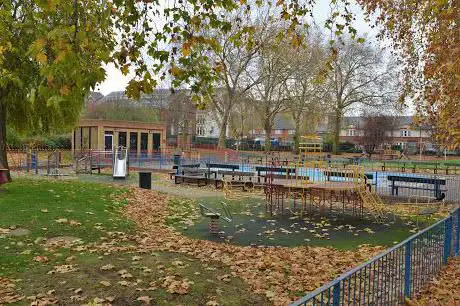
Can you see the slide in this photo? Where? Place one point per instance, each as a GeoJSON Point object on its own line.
{"type": "Point", "coordinates": [120, 163]}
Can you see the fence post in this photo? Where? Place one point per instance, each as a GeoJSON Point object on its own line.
{"type": "Point", "coordinates": [336, 294]}
{"type": "Point", "coordinates": [407, 269]}
{"type": "Point", "coordinates": [457, 233]}
{"type": "Point", "coordinates": [447, 238]}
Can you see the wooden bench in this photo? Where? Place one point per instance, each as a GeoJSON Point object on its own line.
{"type": "Point", "coordinates": [417, 180]}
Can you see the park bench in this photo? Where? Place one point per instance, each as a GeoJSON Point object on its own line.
{"type": "Point", "coordinates": [233, 176]}
{"type": "Point", "coordinates": [192, 176]}
{"type": "Point", "coordinates": [436, 188]}
{"type": "Point", "coordinates": [222, 166]}
{"type": "Point", "coordinates": [275, 172]}
{"type": "Point", "coordinates": [183, 167]}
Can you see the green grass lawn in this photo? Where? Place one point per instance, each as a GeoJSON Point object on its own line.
{"type": "Point", "coordinates": [83, 272]}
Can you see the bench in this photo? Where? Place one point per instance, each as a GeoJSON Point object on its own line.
{"type": "Point", "coordinates": [223, 166]}
{"type": "Point", "coordinates": [192, 176]}
{"type": "Point", "coordinates": [241, 175]}
{"type": "Point", "coordinates": [186, 166]}
{"type": "Point", "coordinates": [417, 180]}
{"type": "Point", "coordinates": [191, 179]}
{"type": "Point", "coordinates": [277, 170]}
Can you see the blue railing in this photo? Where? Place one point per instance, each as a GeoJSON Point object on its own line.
{"type": "Point", "coordinates": [397, 273]}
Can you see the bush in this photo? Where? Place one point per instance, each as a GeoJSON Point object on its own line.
{"type": "Point", "coordinates": [348, 147]}
{"type": "Point", "coordinates": [48, 142]}
{"type": "Point", "coordinates": [13, 139]}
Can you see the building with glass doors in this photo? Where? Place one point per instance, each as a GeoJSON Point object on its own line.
{"type": "Point", "coordinates": [138, 137]}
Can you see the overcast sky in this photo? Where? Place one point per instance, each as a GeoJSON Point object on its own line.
{"type": "Point", "coordinates": [115, 81]}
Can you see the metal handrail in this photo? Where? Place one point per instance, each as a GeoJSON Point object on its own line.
{"type": "Point", "coordinates": [350, 273]}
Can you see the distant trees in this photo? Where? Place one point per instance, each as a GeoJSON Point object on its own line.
{"type": "Point", "coordinates": [376, 132]}
{"type": "Point", "coordinates": [269, 93]}
{"type": "Point", "coordinates": [238, 53]}
{"type": "Point", "coordinates": [302, 88]}
{"type": "Point", "coordinates": [359, 76]}
{"type": "Point", "coordinates": [122, 110]}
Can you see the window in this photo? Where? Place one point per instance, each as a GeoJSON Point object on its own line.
{"type": "Point", "coordinates": [133, 142]}
{"type": "Point", "coordinates": [122, 139]}
{"type": "Point", "coordinates": [405, 133]}
{"type": "Point", "coordinates": [200, 131]}
{"type": "Point", "coordinates": [278, 132]}
{"type": "Point", "coordinates": [291, 132]}
{"type": "Point", "coordinates": [351, 132]}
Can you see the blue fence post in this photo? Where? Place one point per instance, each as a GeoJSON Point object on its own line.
{"type": "Point", "coordinates": [447, 238]}
{"type": "Point", "coordinates": [457, 233]}
{"type": "Point", "coordinates": [336, 294]}
{"type": "Point", "coordinates": [407, 269]}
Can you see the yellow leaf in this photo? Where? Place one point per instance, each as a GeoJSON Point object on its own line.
{"type": "Point", "coordinates": [175, 71]}
{"type": "Point", "coordinates": [41, 58]}
{"type": "Point", "coordinates": [186, 49]}
{"type": "Point", "coordinates": [65, 90]}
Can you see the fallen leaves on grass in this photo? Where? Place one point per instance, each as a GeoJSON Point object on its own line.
{"type": "Point", "coordinates": [105, 283]}
{"type": "Point", "coordinates": [175, 284]}
{"type": "Point", "coordinates": [287, 272]}
{"type": "Point", "coordinates": [8, 292]}
{"type": "Point", "coordinates": [145, 299]}
{"type": "Point", "coordinates": [63, 269]}
{"type": "Point", "coordinates": [43, 259]}
{"type": "Point", "coordinates": [107, 267]}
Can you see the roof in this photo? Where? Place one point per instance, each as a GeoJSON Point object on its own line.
{"type": "Point", "coordinates": [358, 121]}
{"type": "Point", "coordinates": [158, 98]}
{"type": "Point", "coordinates": [94, 96]}
{"type": "Point", "coordinates": [283, 122]}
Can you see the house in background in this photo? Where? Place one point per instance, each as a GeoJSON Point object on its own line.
{"type": "Point", "coordinates": [406, 133]}
{"type": "Point", "coordinates": [207, 124]}
{"type": "Point", "coordinates": [283, 129]}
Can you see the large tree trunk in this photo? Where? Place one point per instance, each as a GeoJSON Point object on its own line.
{"type": "Point", "coordinates": [268, 132]}
{"type": "Point", "coordinates": [223, 130]}
{"type": "Point", "coordinates": [337, 128]}
{"type": "Point", "coordinates": [3, 156]}
{"type": "Point", "coordinates": [297, 136]}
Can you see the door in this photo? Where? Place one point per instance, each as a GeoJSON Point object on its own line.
{"type": "Point", "coordinates": [108, 142]}
{"type": "Point", "coordinates": [133, 142]}
{"type": "Point", "coordinates": [144, 142]}
{"type": "Point", "coordinates": [122, 139]}
{"type": "Point", "coordinates": [156, 141]}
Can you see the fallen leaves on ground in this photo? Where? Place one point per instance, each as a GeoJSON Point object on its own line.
{"type": "Point", "coordinates": [8, 292]}
{"type": "Point", "coordinates": [444, 290]}
{"type": "Point", "coordinates": [63, 269]}
{"type": "Point", "coordinates": [285, 273]}
{"type": "Point", "coordinates": [174, 284]}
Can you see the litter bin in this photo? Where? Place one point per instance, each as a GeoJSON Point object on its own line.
{"type": "Point", "coordinates": [145, 180]}
{"type": "Point", "coordinates": [177, 159]}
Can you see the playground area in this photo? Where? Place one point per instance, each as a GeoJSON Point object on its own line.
{"type": "Point", "coordinates": [316, 214]}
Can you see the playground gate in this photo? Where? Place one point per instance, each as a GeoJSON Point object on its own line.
{"type": "Point", "coordinates": [395, 274]}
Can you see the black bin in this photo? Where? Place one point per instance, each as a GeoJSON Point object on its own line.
{"type": "Point", "coordinates": [177, 159]}
{"type": "Point", "coordinates": [145, 180]}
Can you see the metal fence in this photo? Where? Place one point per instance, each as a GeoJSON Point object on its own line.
{"type": "Point", "coordinates": [398, 273]}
